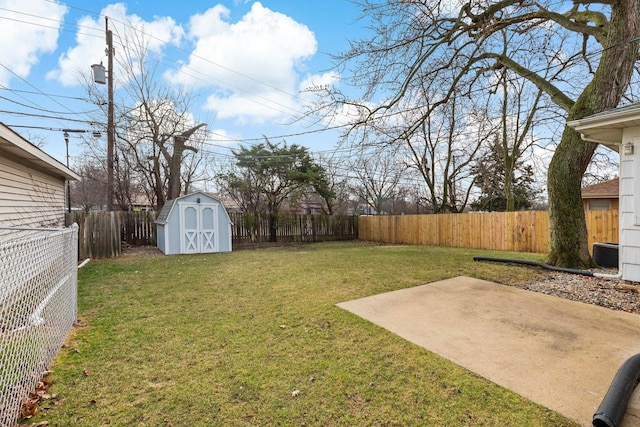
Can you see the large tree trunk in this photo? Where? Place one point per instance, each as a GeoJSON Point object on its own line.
{"type": "Point", "coordinates": [569, 246]}
{"type": "Point", "coordinates": [175, 162]}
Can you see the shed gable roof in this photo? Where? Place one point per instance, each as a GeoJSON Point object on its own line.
{"type": "Point", "coordinates": [163, 216]}
{"type": "Point", "coordinates": [603, 190]}
{"type": "Point", "coordinates": [13, 144]}
{"type": "Point", "coordinates": [165, 212]}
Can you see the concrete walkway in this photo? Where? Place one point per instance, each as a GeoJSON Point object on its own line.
{"type": "Point", "coordinates": [559, 353]}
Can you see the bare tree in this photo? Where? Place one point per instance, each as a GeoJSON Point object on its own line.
{"type": "Point", "coordinates": [336, 199]}
{"type": "Point", "coordinates": [581, 55]}
{"type": "Point", "coordinates": [155, 129]}
{"type": "Point", "coordinates": [515, 138]}
{"type": "Point", "coordinates": [377, 176]}
{"type": "Point", "coordinates": [443, 149]}
{"type": "Point", "coordinates": [90, 191]}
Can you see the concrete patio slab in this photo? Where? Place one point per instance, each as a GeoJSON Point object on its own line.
{"type": "Point", "coordinates": [559, 353]}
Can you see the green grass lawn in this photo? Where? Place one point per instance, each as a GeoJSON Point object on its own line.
{"type": "Point", "coordinates": [254, 337]}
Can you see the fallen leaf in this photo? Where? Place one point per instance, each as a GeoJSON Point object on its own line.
{"type": "Point", "coordinates": [29, 406]}
{"type": "Point", "coordinates": [295, 393]}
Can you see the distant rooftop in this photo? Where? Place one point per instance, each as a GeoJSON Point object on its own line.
{"type": "Point", "coordinates": [603, 190]}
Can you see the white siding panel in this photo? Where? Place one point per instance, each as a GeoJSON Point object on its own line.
{"type": "Point", "coordinates": [626, 185]}
{"type": "Point", "coordinates": [631, 272]}
{"type": "Point", "coordinates": [29, 197]}
{"type": "Point", "coordinates": [630, 236]}
{"type": "Point", "coordinates": [631, 255]}
{"type": "Point", "coordinates": [630, 168]}
{"type": "Point", "coordinates": [627, 204]}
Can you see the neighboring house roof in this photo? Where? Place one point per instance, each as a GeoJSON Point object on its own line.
{"type": "Point", "coordinates": [18, 147]}
{"type": "Point", "coordinates": [603, 190]}
{"type": "Point", "coordinates": [163, 216]}
{"type": "Point", "coordinates": [229, 204]}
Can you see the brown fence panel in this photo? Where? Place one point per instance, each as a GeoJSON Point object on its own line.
{"type": "Point", "coordinates": [603, 226]}
{"type": "Point", "coordinates": [98, 233]}
{"type": "Point", "coordinates": [138, 228]}
{"type": "Point", "coordinates": [254, 228]}
{"type": "Point", "coordinates": [522, 231]}
{"type": "Point", "coordinates": [102, 234]}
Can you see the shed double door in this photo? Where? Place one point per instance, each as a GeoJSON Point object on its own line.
{"type": "Point", "coordinates": [198, 224]}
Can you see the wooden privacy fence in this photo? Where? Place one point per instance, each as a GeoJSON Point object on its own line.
{"type": "Point", "coordinates": [522, 231]}
{"type": "Point", "coordinates": [103, 234]}
{"type": "Point", "coordinates": [252, 228]}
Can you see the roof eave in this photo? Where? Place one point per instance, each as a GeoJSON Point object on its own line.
{"type": "Point", "coordinates": [607, 128]}
{"type": "Point", "coordinates": [19, 147]}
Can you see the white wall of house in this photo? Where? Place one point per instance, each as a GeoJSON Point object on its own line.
{"type": "Point", "coordinates": [29, 197]}
{"type": "Point", "coordinates": [619, 129]}
{"type": "Point", "coordinates": [630, 206]}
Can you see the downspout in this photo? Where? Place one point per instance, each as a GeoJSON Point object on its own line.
{"type": "Point", "coordinates": [535, 264]}
{"type": "Point", "coordinates": [550, 267]}
{"type": "Point", "coordinates": [609, 276]}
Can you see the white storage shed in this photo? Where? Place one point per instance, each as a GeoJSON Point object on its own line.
{"type": "Point", "coordinates": [619, 129]}
{"type": "Point", "coordinates": [193, 224]}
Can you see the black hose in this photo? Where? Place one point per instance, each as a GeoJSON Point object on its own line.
{"type": "Point", "coordinates": [535, 264]}
{"type": "Point", "coordinates": [614, 404]}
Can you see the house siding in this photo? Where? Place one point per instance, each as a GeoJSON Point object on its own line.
{"type": "Point", "coordinates": [630, 208]}
{"type": "Point", "coordinates": [29, 197]}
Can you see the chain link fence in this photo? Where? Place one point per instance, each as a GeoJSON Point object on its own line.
{"type": "Point", "coordinates": [38, 291]}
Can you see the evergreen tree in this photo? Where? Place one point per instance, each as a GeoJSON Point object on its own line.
{"type": "Point", "coordinates": [491, 178]}
{"type": "Point", "coordinates": [273, 173]}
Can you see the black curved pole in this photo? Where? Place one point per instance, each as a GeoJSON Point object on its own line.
{"type": "Point", "coordinates": [535, 264]}
{"type": "Point", "coordinates": [613, 406]}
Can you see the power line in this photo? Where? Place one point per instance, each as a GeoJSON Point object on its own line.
{"type": "Point", "coordinates": [31, 85]}
{"type": "Point", "coordinates": [31, 92]}
{"type": "Point", "coordinates": [47, 110]}
{"type": "Point", "coordinates": [43, 116]}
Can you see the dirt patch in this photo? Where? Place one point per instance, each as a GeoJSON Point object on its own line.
{"type": "Point", "coordinates": [140, 251]}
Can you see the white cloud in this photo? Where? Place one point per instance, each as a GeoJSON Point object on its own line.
{"type": "Point", "coordinates": [315, 81]}
{"type": "Point", "coordinates": [222, 137]}
{"type": "Point", "coordinates": [26, 36]}
{"type": "Point", "coordinates": [253, 64]}
{"type": "Point", "coordinates": [90, 41]}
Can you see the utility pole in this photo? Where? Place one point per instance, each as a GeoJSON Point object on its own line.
{"type": "Point", "coordinates": [67, 183]}
{"type": "Point", "coordinates": [110, 125]}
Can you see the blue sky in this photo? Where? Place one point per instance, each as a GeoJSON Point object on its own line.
{"type": "Point", "coordinates": [245, 61]}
